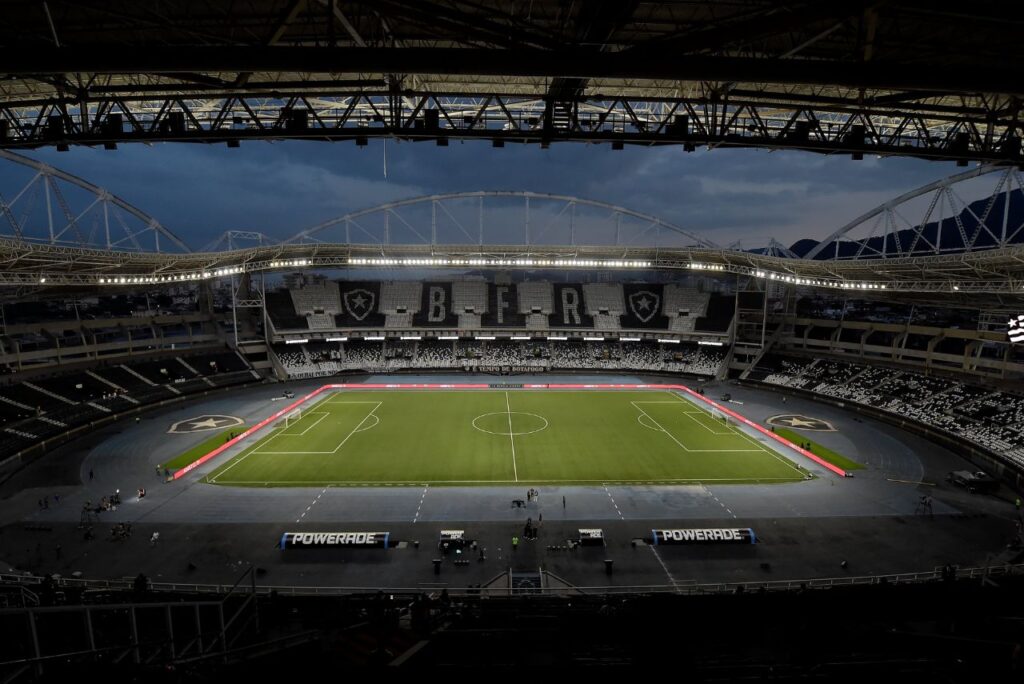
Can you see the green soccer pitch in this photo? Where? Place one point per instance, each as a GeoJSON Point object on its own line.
{"type": "Point", "coordinates": [487, 437]}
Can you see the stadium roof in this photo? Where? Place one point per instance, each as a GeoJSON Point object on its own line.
{"type": "Point", "coordinates": [982, 279]}
{"type": "Point", "coordinates": [926, 78]}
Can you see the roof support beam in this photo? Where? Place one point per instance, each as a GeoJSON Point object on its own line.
{"type": "Point", "coordinates": [942, 77]}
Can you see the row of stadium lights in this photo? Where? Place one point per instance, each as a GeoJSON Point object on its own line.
{"type": "Point", "coordinates": [561, 338]}
{"type": "Point", "coordinates": [821, 283]}
{"type": "Point", "coordinates": [781, 277]}
{"type": "Point", "coordinates": [196, 275]}
{"type": "Point", "coordinates": [180, 277]}
{"type": "Point", "coordinates": [287, 263]}
{"type": "Point", "coordinates": [220, 272]}
{"type": "Point", "coordinates": [610, 263]}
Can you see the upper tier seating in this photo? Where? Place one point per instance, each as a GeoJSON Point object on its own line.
{"type": "Point", "coordinates": [469, 297]}
{"type": "Point", "coordinates": [535, 298]}
{"type": "Point", "coordinates": [683, 305]}
{"type": "Point", "coordinates": [317, 298]}
{"type": "Point", "coordinates": [603, 298]}
{"type": "Point", "coordinates": [397, 297]}
{"type": "Point", "coordinates": [476, 304]}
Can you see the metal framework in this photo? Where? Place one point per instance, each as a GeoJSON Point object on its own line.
{"type": "Point", "coordinates": [558, 232]}
{"type": "Point", "coordinates": [238, 239]}
{"type": "Point", "coordinates": [539, 218]}
{"type": "Point", "coordinates": [925, 78]}
{"type": "Point", "coordinates": [57, 208]}
{"type": "Point", "coordinates": [984, 278]}
{"type": "Point", "coordinates": [944, 221]}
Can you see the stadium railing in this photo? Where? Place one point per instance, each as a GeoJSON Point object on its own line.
{"type": "Point", "coordinates": [934, 575]}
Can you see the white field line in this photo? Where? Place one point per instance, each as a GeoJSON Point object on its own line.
{"type": "Point", "coordinates": [422, 497]}
{"type": "Point", "coordinates": [335, 450]}
{"type": "Point", "coordinates": [718, 501]}
{"type": "Point", "coordinates": [245, 456]}
{"type": "Point", "coordinates": [273, 437]}
{"type": "Point", "coordinates": [331, 400]}
{"type": "Point", "coordinates": [508, 409]}
{"type": "Point", "coordinates": [671, 436]}
{"type": "Point", "coordinates": [664, 567]}
{"type": "Point", "coordinates": [697, 451]}
{"type": "Point", "coordinates": [664, 402]}
{"type": "Point", "coordinates": [322, 414]}
{"type": "Point", "coordinates": [311, 506]}
{"type": "Point", "coordinates": [612, 499]}
{"type": "Point", "coordinates": [378, 483]}
{"type": "Point", "coordinates": [753, 441]}
{"type": "Point", "coordinates": [690, 414]}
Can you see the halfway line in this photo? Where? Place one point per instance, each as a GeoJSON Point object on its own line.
{"type": "Point", "coordinates": [508, 409]}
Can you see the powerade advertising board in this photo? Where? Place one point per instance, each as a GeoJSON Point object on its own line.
{"type": "Point", "coordinates": [335, 540]}
{"type": "Point", "coordinates": [702, 535]}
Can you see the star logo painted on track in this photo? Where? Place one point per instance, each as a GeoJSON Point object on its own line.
{"type": "Point", "coordinates": [799, 422]}
{"type": "Point", "coordinates": [204, 423]}
{"type": "Point", "coordinates": [209, 423]}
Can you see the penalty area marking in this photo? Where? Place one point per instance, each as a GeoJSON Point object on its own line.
{"type": "Point", "coordinates": [690, 414]}
{"type": "Point", "coordinates": [370, 426]}
{"type": "Point", "coordinates": [275, 436]}
{"type": "Point", "coordinates": [735, 428]}
{"type": "Point", "coordinates": [332, 401]}
{"type": "Point", "coordinates": [322, 414]}
{"type": "Point", "coordinates": [656, 427]}
{"type": "Point", "coordinates": [640, 419]}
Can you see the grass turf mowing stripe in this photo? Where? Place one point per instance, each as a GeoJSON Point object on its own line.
{"type": "Point", "coordinates": [823, 451]}
{"type": "Point", "coordinates": [502, 483]}
{"type": "Point", "coordinates": [383, 437]}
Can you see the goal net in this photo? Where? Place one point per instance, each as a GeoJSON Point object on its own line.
{"type": "Point", "coordinates": [718, 415]}
{"type": "Point", "coordinates": [292, 417]}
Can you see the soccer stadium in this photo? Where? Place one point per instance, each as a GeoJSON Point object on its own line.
{"type": "Point", "coordinates": [316, 389]}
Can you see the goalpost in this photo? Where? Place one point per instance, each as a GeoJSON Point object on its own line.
{"type": "Point", "coordinates": [718, 415]}
{"type": "Point", "coordinates": [292, 417]}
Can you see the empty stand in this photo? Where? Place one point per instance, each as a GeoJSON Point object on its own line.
{"type": "Point", "coordinates": [469, 296]}
{"type": "Point", "coordinates": [535, 298]}
{"type": "Point", "coordinates": [281, 310]}
{"type": "Point", "coordinates": [397, 297]}
{"type": "Point", "coordinates": [683, 306]}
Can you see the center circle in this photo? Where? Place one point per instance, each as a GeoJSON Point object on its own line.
{"type": "Point", "coordinates": [499, 423]}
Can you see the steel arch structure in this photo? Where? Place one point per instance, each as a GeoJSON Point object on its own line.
{"type": "Point", "coordinates": [907, 77]}
{"type": "Point", "coordinates": [947, 223]}
{"type": "Point", "coordinates": [987, 279]}
{"type": "Point", "coordinates": [565, 218]}
{"type": "Point", "coordinates": [44, 211]}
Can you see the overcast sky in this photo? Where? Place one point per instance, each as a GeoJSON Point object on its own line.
{"type": "Point", "coordinates": [200, 191]}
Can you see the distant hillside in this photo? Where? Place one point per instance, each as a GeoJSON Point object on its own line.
{"type": "Point", "coordinates": [952, 238]}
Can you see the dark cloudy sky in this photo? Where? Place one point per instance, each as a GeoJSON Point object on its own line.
{"type": "Point", "coordinates": [280, 188]}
